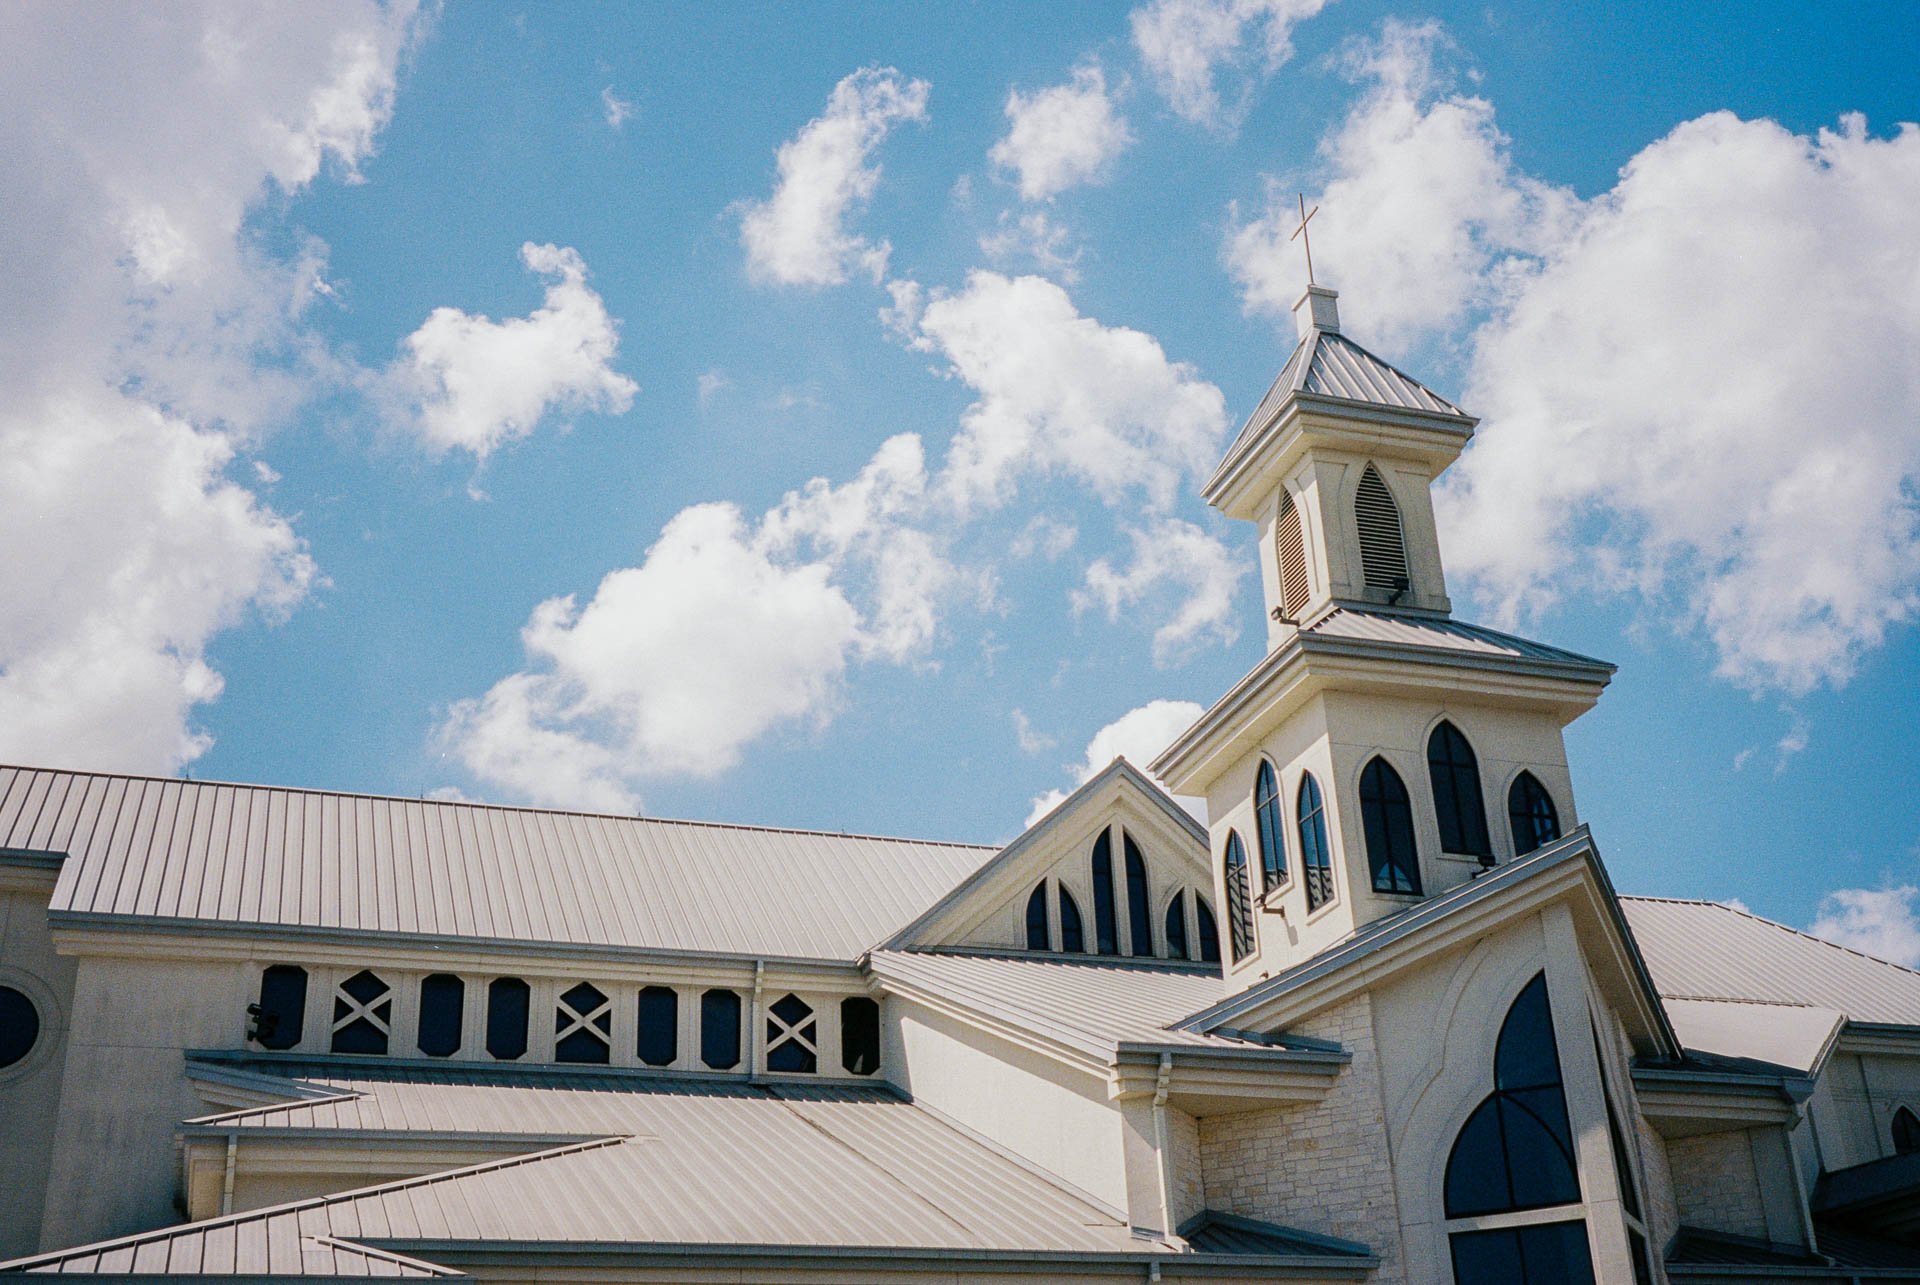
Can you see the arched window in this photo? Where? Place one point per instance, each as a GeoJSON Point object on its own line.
{"type": "Point", "coordinates": [1316, 858]}
{"type": "Point", "coordinates": [1073, 936]}
{"type": "Point", "coordinates": [1387, 817]}
{"type": "Point", "coordinates": [1906, 1132]}
{"type": "Point", "coordinates": [443, 999]}
{"type": "Point", "coordinates": [1207, 929]}
{"type": "Point", "coordinates": [1456, 794]}
{"type": "Point", "coordinates": [1139, 913]}
{"type": "Point", "coordinates": [1383, 546]}
{"type": "Point", "coordinates": [1106, 926]}
{"type": "Point", "coordinates": [1267, 827]}
{"type": "Point", "coordinates": [1514, 1153]}
{"type": "Point", "coordinates": [1039, 936]}
{"type": "Point", "coordinates": [1176, 935]}
{"type": "Point", "coordinates": [1290, 544]}
{"type": "Point", "coordinates": [362, 1014]}
{"type": "Point", "coordinates": [280, 1014]}
{"type": "Point", "coordinates": [1531, 812]}
{"type": "Point", "coordinates": [1239, 898]}
{"type": "Point", "coordinates": [19, 1025]}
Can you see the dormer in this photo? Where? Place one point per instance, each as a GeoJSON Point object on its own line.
{"type": "Point", "coordinates": [1336, 466]}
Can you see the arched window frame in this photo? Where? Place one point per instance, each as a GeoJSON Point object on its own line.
{"type": "Point", "coordinates": [1532, 815]}
{"type": "Point", "coordinates": [1316, 851]}
{"type": "Point", "coordinates": [1270, 828]}
{"type": "Point", "coordinates": [1106, 903]}
{"type": "Point", "coordinates": [1292, 566]}
{"type": "Point", "coordinates": [1233, 862]}
{"type": "Point", "coordinates": [1384, 565]}
{"type": "Point", "coordinates": [1387, 825]}
{"type": "Point", "coordinates": [1139, 888]}
{"type": "Point", "coordinates": [1206, 928]}
{"type": "Point", "coordinates": [1037, 918]}
{"type": "Point", "coordinates": [1176, 931]}
{"type": "Point", "coordinates": [1459, 799]}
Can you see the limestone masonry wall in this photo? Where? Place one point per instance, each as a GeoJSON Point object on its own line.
{"type": "Point", "coordinates": [1715, 1184]}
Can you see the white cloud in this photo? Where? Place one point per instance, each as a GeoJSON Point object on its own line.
{"type": "Point", "coordinates": [1137, 736]}
{"type": "Point", "coordinates": [147, 333]}
{"type": "Point", "coordinates": [1696, 387]}
{"type": "Point", "coordinates": [1176, 555]}
{"type": "Point", "coordinates": [1062, 136]}
{"type": "Point", "coordinates": [711, 383]}
{"type": "Point", "coordinates": [618, 110]}
{"type": "Point", "coordinates": [1186, 44]}
{"type": "Point", "coordinates": [1033, 236]}
{"type": "Point", "coordinates": [1062, 393]}
{"type": "Point", "coordinates": [1884, 924]}
{"type": "Point", "coordinates": [480, 383]}
{"type": "Point", "coordinates": [798, 235]}
{"type": "Point", "coordinates": [1029, 740]}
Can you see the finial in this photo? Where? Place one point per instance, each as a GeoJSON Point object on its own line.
{"type": "Point", "coordinates": [1300, 233]}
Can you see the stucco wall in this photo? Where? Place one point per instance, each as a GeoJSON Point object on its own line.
{"type": "Point", "coordinates": [30, 1088]}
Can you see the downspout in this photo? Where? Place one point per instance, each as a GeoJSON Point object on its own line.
{"type": "Point", "coordinates": [1160, 1148]}
{"type": "Point", "coordinates": [226, 1183]}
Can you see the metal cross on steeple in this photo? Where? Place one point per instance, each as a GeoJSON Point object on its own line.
{"type": "Point", "coordinates": [1300, 233]}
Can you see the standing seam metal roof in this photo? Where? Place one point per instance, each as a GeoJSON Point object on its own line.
{"type": "Point", "coordinates": [1438, 632]}
{"type": "Point", "coordinates": [258, 855]}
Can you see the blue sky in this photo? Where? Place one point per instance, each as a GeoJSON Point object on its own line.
{"type": "Point", "coordinates": [344, 339]}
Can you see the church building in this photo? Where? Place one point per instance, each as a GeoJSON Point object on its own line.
{"type": "Point", "coordinates": [1382, 1019]}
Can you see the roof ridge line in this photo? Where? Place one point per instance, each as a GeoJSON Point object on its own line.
{"type": "Point", "coordinates": [494, 807]}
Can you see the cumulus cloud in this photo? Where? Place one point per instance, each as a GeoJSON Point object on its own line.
{"type": "Point", "coordinates": [1177, 562]}
{"type": "Point", "coordinates": [1186, 45]}
{"type": "Point", "coordinates": [798, 235]}
{"type": "Point", "coordinates": [1884, 924]}
{"type": "Point", "coordinates": [147, 336]}
{"type": "Point", "coordinates": [1697, 387]}
{"type": "Point", "coordinates": [474, 383]}
{"type": "Point", "coordinates": [1033, 236]}
{"type": "Point", "coordinates": [1063, 393]}
{"type": "Point", "coordinates": [1137, 736]}
{"type": "Point", "coordinates": [1062, 136]}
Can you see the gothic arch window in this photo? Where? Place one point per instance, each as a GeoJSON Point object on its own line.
{"type": "Point", "coordinates": [1176, 934]}
{"type": "Point", "coordinates": [1531, 813]}
{"type": "Point", "coordinates": [1515, 1154]}
{"type": "Point", "coordinates": [1073, 933]}
{"type": "Point", "coordinates": [1039, 933]}
{"type": "Point", "coordinates": [1906, 1132]}
{"type": "Point", "coordinates": [1206, 929]}
{"type": "Point", "coordinates": [1239, 899]}
{"type": "Point", "coordinates": [1290, 546]}
{"type": "Point", "coordinates": [1386, 814]}
{"type": "Point", "coordinates": [1267, 827]}
{"type": "Point", "coordinates": [583, 1025]}
{"type": "Point", "coordinates": [1457, 801]}
{"type": "Point", "coordinates": [1383, 545]}
{"type": "Point", "coordinates": [1106, 924]}
{"type": "Point", "coordinates": [362, 1014]}
{"type": "Point", "coordinates": [1139, 910]}
{"type": "Point", "coordinates": [1316, 858]}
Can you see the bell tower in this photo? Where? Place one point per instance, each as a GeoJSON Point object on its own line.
{"type": "Point", "coordinates": [1382, 751]}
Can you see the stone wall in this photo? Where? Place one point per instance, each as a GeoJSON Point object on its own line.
{"type": "Point", "coordinates": [1715, 1184]}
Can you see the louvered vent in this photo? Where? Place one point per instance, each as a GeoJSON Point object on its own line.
{"type": "Point", "coordinates": [1383, 549]}
{"type": "Point", "coordinates": [1293, 559]}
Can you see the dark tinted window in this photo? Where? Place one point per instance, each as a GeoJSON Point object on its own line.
{"type": "Point", "coordinates": [507, 1004]}
{"type": "Point", "coordinates": [1038, 936]}
{"type": "Point", "coordinates": [1531, 813]}
{"type": "Point", "coordinates": [1177, 926]}
{"type": "Point", "coordinates": [1906, 1133]}
{"type": "Point", "coordinates": [860, 1035]}
{"type": "Point", "coordinates": [1267, 828]}
{"type": "Point", "coordinates": [720, 1029]}
{"type": "Point", "coordinates": [1139, 915]}
{"type": "Point", "coordinates": [278, 1016]}
{"type": "Point", "coordinates": [791, 1036]}
{"type": "Point", "coordinates": [19, 1025]}
{"type": "Point", "coordinates": [659, 1039]}
{"type": "Point", "coordinates": [443, 998]}
{"type": "Point", "coordinates": [1387, 817]}
{"type": "Point", "coordinates": [1516, 1149]}
{"type": "Point", "coordinates": [362, 1012]}
{"type": "Point", "coordinates": [1106, 929]}
{"type": "Point", "coordinates": [1316, 858]}
{"type": "Point", "coordinates": [1456, 793]}
{"type": "Point", "coordinates": [1208, 929]}
{"type": "Point", "coordinates": [1073, 937]}
{"type": "Point", "coordinates": [583, 1025]}
{"type": "Point", "coordinates": [1547, 1254]}
{"type": "Point", "coordinates": [1239, 898]}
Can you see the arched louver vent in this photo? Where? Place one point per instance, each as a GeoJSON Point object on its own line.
{"type": "Point", "coordinates": [1292, 548]}
{"type": "Point", "coordinates": [1383, 547]}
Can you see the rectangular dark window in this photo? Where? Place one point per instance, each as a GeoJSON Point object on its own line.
{"type": "Point", "coordinates": [860, 1035]}
{"type": "Point", "coordinates": [1543, 1254]}
{"type": "Point", "coordinates": [659, 1040]}
{"type": "Point", "coordinates": [508, 999]}
{"type": "Point", "coordinates": [278, 1017]}
{"type": "Point", "coordinates": [443, 998]}
{"type": "Point", "coordinates": [720, 1029]}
